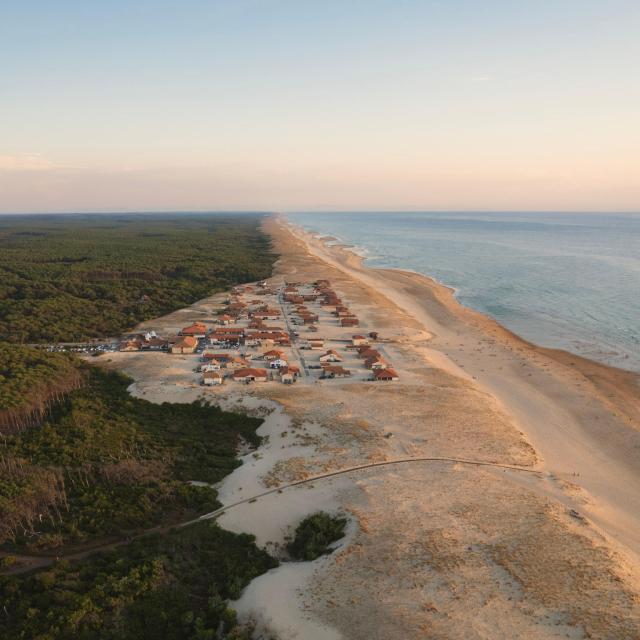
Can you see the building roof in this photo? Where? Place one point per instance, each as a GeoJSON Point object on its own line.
{"type": "Point", "coordinates": [249, 372]}
{"type": "Point", "coordinates": [131, 343]}
{"type": "Point", "coordinates": [290, 369]}
{"type": "Point", "coordinates": [266, 335]}
{"type": "Point", "coordinates": [368, 352]}
{"type": "Point", "coordinates": [225, 337]}
{"type": "Point", "coordinates": [336, 370]}
{"type": "Point", "coordinates": [332, 352]}
{"type": "Point", "coordinates": [196, 326]}
{"type": "Point", "coordinates": [385, 373]}
{"type": "Point", "coordinates": [187, 341]}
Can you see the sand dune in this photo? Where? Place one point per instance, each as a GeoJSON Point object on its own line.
{"type": "Point", "coordinates": [476, 388]}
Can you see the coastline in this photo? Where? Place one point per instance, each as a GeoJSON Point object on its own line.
{"type": "Point", "coordinates": [611, 426]}
{"type": "Point", "coordinates": [604, 354]}
{"type": "Point", "coordinates": [582, 418]}
{"type": "Point", "coordinates": [627, 380]}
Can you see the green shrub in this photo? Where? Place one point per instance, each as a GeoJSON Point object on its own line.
{"type": "Point", "coordinates": [315, 534]}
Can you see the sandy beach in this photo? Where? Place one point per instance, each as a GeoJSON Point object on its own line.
{"type": "Point", "coordinates": [439, 549]}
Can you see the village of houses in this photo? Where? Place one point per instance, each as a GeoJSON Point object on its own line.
{"type": "Point", "coordinates": [297, 333]}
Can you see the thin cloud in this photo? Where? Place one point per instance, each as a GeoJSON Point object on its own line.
{"type": "Point", "coordinates": [26, 162]}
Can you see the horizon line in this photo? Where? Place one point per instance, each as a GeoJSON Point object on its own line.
{"type": "Point", "coordinates": [312, 211]}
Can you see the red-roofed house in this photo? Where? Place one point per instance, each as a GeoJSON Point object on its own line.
{"type": "Point", "coordinates": [315, 343]}
{"type": "Point", "coordinates": [250, 375]}
{"type": "Point", "coordinates": [187, 344]}
{"type": "Point", "coordinates": [237, 363]}
{"type": "Point", "coordinates": [274, 354]}
{"type": "Point", "coordinates": [375, 362]}
{"type": "Point", "coordinates": [385, 375]}
{"type": "Point", "coordinates": [220, 357]}
{"type": "Point", "coordinates": [368, 352]}
{"type": "Point", "coordinates": [335, 371]}
{"type": "Point", "coordinates": [291, 369]}
{"type": "Point", "coordinates": [197, 330]}
{"type": "Point", "coordinates": [330, 356]}
{"type": "Point", "coordinates": [130, 345]}
{"type": "Point", "coordinates": [154, 344]}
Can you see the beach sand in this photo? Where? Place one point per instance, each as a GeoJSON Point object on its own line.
{"type": "Point", "coordinates": [435, 549]}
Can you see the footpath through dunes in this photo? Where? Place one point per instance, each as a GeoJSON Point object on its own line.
{"type": "Point", "coordinates": [455, 552]}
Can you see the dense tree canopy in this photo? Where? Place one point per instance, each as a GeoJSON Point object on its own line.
{"type": "Point", "coordinates": [30, 380]}
{"type": "Point", "coordinates": [84, 462]}
{"type": "Point", "coordinates": [105, 464]}
{"type": "Point", "coordinates": [69, 278]}
{"type": "Point", "coordinates": [171, 587]}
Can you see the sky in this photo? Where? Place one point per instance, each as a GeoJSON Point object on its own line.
{"type": "Point", "coordinates": [290, 105]}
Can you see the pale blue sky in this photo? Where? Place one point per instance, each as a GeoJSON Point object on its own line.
{"type": "Point", "coordinates": [320, 105]}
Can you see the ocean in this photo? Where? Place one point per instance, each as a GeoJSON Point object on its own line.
{"type": "Point", "coordinates": [565, 280]}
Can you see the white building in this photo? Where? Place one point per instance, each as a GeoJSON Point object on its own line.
{"type": "Point", "coordinates": [210, 378]}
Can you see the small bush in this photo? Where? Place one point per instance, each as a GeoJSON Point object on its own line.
{"type": "Point", "coordinates": [315, 534]}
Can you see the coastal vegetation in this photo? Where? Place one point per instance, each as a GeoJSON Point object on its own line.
{"type": "Point", "coordinates": [105, 467]}
{"type": "Point", "coordinates": [31, 381]}
{"type": "Point", "coordinates": [314, 536]}
{"type": "Point", "coordinates": [72, 278]}
{"type": "Point", "coordinates": [106, 464]}
{"type": "Point", "coordinates": [173, 586]}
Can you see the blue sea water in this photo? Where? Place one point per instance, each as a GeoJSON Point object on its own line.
{"type": "Point", "coordinates": [567, 280]}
